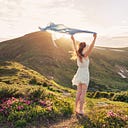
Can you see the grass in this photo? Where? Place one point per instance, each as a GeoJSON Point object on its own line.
{"type": "Point", "coordinates": [99, 113]}
{"type": "Point", "coordinates": [26, 95]}
{"type": "Point", "coordinates": [35, 106]}
{"type": "Point", "coordinates": [28, 99]}
{"type": "Point", "coordinates": [23, 105]}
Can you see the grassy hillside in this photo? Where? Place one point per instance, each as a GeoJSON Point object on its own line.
{"type": "Point", "coordinates": [14, 73]}
{"type": "Point", "coordinates": [36, 51]}
{"type": "Point", "coordinates": [26, 96]}
{"type": "Point", "coordinates": [29, 100]}
{"type": "Point", "coordinates": [100, 113]}
{"type": "Point", "coordinates": [106, 63]}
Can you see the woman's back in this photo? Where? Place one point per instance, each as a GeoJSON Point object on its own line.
{"type": "Point", "coordinates": [84, 63]}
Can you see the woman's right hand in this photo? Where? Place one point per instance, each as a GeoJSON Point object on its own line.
{"type": "Point", "coordinates": [94, 35]}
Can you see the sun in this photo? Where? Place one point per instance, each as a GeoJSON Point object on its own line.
{"type": "Point", "coordinates": [56, 35]}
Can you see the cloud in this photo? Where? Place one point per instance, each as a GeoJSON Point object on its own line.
{"type": "Point", "coordinates": [19, 17]}
{"type": "Point", "coordinates": [27, 13]}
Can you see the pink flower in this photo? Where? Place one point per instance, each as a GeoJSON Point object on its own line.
{"type": "Point", "coordinates": [3, 106]}
{"type": "Point", "coordinates": [13, 98]}
{"type": "Point", "coordinates": [21, 99]}
{"type": "Point", "coordinates": [1, 110]}
{"type": "Point", "coordinates": [111, 114]}
{"type": "Point", "coordinates": [49, 108]}
{"type": "Point", "coordinates": [43, 103]}
{"type": "Point", "coordinates": [28, 102]}
{"type": "Point", "coordinates": [20, 108]}
{"type": "Point", "coordinates": [9, 102]}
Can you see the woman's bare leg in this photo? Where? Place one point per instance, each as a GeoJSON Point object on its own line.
{"type": "Point", "coordinates": [82, 98]}
{"type": "Point", "coordinates": [78, 94]}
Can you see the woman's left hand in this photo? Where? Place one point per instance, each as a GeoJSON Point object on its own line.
{"type": "Point", "coordinates": [72, 37]}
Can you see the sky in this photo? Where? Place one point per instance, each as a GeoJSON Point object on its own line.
{"type": "Point", "coordinates": [109, 18]}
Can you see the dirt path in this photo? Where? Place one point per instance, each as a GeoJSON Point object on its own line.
{"type": "Point", "coordinates": [66, 123]}
{"type": "Point", "coordinates": [76, 121]}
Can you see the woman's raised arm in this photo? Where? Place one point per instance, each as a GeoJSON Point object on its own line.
{"type": "Point", "coordinates": [87, 53]}
{"type": "Point", "coordinates": [74, 44]}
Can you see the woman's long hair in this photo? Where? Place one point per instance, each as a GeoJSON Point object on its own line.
{"type": "Point", "coordinates": [82, 45]}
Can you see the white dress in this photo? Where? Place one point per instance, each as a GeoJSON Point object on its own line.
{"type": "Point", "coordinates": [82, 74]}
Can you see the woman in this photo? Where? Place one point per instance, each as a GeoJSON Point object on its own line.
{"type": "Point", "coordinates": [81, 78]}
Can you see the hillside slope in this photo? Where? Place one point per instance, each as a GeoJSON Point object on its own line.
{"type": "Point", "coordinates": [108, 67]}
{"type": "Point", "coordinates": [27, 97]}
{"type": "Point", "coordinates": [36, 51]}
{"type": "Point", "coordinates": [14, 73]}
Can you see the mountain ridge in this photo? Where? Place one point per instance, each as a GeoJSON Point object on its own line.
{"type": "Point", "coordinates": [36, 51]}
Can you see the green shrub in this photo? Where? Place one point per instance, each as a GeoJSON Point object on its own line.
{"type": "Point", "coordinates": [90, 104]}
{"type": "Point", "coordinates": [8, 72]}
{"type": "Point", "coordinates": [115, 96]}
{"type": "Point", "coordinates": [45, 84]}
{"type": "Point", "coordinates": [7, 81]}
{"type": "Point", "coordinates": [33, 81]}
{"type": "Point", "coordinates": [90, 94]}
{"type": "Point", "coordinates": [122, 96]}
{"type": "Point", "coordinates": [111, 94]}
{"type": "Point", "coordinates": [20, 123]}
{"type": "Point", "coordinates": [101, 95]}
{"type": "Point", "coordinates": [36, 93]}
{"type": "Point", "coordinates": [7, 91]}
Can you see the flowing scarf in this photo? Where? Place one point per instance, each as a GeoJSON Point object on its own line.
{"type": "Point", "coordinates": [63, 29]}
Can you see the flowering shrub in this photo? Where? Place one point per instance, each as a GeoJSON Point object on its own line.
{"type": "Point", "coordinates": [19, 111]}
{"type": "Point", "coordinates": [13, 104]}
{"type": "Point", "coordinates": [117, 120]}
{"type": "Point", "coordinates": [111, 115]}
{"type": "Point", "coordinates": [47, 104]}
{"type": "Point", "coordinates": [21, 104]}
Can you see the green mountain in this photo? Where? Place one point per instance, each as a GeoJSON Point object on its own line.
{"type": "Point", "coordinates": [108, 66]}
{"type": "Point", "coordinates": [37, 52]}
